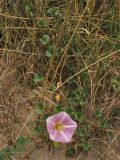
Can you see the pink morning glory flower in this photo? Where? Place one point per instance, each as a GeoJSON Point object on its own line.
{"type": "Point", "coordinates": [61, 127]}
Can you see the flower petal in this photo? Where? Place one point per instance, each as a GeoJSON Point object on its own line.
{"type": "Point", "coordinates": [69, 132]}
{"type": "Point", "coordinates": [55, 118]}
{"type": "Point", "coordinates": [60, 136]}
{"type": "Point", "coordinates": [50, 128]}
{"type": "Point", "coordinates": [67, 120]}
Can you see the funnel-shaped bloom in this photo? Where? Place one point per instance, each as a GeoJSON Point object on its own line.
{"type": "Point", "coordinates": [61, 127]}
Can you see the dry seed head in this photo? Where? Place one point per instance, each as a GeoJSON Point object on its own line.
{"type": "Point", "coordinates": [59, 84]}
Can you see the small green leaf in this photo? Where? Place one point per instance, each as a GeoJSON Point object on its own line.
{"type": "Point", "coordinates": [98, 113]}
{"type": "Point", "coordinates": [79, 117]}
{"type": "Point", "coordinates": [38, 77]}
{"type": "Point", "coordinates": [84, 131]}
{"type": "Point", "coordinates": [29, 10]}
{"type": "Point", "coordinates": [70, 67]}
{"type": "Point", "coordinates": [81, 132]}
{"type": "Point", "coordinates": [41, 23]}
{"type": "Point", "coordinates": [71, 100]}
{"type": "Point", "coordinates": [50, 51]}
{"type": "Point", "coordinates": [39, 130]}
{"type": "Point", "coordinates": [77, 97]}
{"type": "Point", "coordinates": [58, 108]}
{"type": "Point", "coordinates": [20, 140]}
{"type": "Point", "coordinates": [6, 152]}
{"type": "Point", "coordinates": [84, 76]}
{"type": "Point", "coordinates": [85, 145]}
{"type": "Point", "coordinates": [81, 102]}
{"type": "Point", "coordinates": [54, 12]}
{"type": "Point", "coordinates": [1, 155]}
{"type": "Point", "coordinates": [70, 111]}
{"type": "Point", "coordinates": [20, 143]}
{"type": "Point", "coordinates": [115, 82]}
{"type": "Point", "coordinates": [70, 152]}
{"type": "Point", "coordinates": [45, 117]}
{"type": "Point", "coordinates": [102, 124]}
{"type": "Point", "coordinates": [39, 108]}
{"type": "Point", "coordinates": [44, 39]}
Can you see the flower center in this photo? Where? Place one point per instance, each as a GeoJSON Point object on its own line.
{"type": "Point", "coordinates": [58, 126]}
